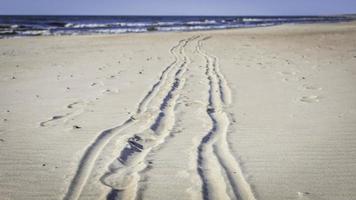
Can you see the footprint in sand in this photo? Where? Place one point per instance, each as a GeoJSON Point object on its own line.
{"type": "Point", "coordinates": [310, 99]}
{"type": "Point", "coordinates": [287, 76]}
{"type": "Point", "coordinates": [65, 116]}
{"type": "Point", "coordinates": [70, 106]}
{"type": "Point", "coordinates": [56, 117]}
{"type": "Point", "coordinates": [303, 195]}
{"type": "Point", "coordinates": [287, 73]}
{"type": "Point", "coordinates": [308, 196]}
{"type": "Point", "coordinates": [311, 87]}
{"type": "Point", "coordinates": [111, 91]}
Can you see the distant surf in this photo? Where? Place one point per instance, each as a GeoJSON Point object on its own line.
{"type": "Point", "coordinates": [12, 26]}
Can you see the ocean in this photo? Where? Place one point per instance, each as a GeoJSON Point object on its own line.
{"type": "Point", "coordinates": [14, 26]}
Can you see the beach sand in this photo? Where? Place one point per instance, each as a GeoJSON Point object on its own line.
{"type": "Point", "coordinates": [261, 113]}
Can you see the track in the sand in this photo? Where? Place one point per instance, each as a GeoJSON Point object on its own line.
{"type": "Point", "coordinates": [152, 123]}
{"type": "Point", "coordinates": [214, 146]}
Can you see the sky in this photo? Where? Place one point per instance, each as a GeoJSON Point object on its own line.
{"type": "Point", "coordinates": [177, 7]}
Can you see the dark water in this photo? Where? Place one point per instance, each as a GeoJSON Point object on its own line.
{"type": "Point", "coordinates": [69, 25]}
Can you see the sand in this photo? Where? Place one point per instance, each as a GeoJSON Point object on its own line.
{"type": "Point", "coordinates": [262, 113]}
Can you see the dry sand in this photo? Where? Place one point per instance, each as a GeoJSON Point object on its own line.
{"type": "Point", "coordinates": [262, 113]}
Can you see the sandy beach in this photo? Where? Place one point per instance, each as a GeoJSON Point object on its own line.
{"type": "Point", "coordinates": [256, 113]}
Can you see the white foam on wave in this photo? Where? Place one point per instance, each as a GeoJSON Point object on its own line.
{"type": "Point", "coordinates": [34, 32]}
{"type": "Point", "coordinates": [201, 22]}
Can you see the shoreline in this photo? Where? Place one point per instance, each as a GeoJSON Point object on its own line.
{"type": "Point", "coordinates": [193, 31]}
{"type": "Point", "coordinates": [62, 25]}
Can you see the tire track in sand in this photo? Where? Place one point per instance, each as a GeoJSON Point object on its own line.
{"type": "Point", "coordinates": [124, 172]}
{"type": "Point", "coordinates": [94, 150]}
{"type": "Point", "coordinates": [214, 144]}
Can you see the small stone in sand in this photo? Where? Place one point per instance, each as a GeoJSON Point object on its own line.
{"type": "Point", "coordinates": [13, 78]}
{"type": "Point", "coordinates": [43, 165]}
{"type": "Point", "coordinates": [140, 72]}
{"type": "Point", "coordinates": [68, 88]}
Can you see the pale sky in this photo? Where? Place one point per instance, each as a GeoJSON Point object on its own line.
{"type": "Point", "coordinates": [178, 7]}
